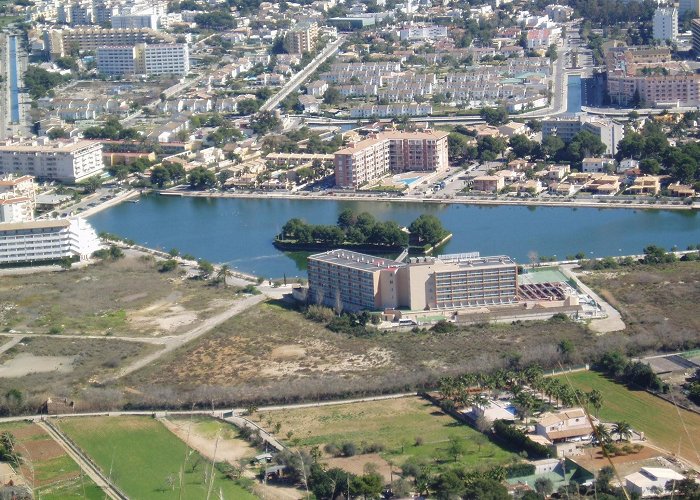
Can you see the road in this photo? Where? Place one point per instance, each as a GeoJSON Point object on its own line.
{"type": "Point", "coordinates": [305, 73]}
{"type": "Point", "coordinates": [91, 470]}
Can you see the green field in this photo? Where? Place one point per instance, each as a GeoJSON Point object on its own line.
{"type": "Point", "coordinates": [395, 424]}
{"type": "Point", "coordinates": [144, 458]}
{"type": "Point", "coordinates": [53, 474]}
{"type": "Point", "coordinates": [677, 431]}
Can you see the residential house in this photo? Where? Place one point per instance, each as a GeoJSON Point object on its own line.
{"type": "Point", "coordinates": [595, 164]}
{"type": "Point", "coordinates": [649, 481]}
{"type": "Point", "coordinates": [565, 425]}
{"type": "Point", "coordinates": [645, 184]}
{"type": "Point", "coordinates": [488, 183]}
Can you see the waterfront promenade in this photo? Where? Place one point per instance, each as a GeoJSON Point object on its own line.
{"type": "Point", "coordinates": [464, 200]}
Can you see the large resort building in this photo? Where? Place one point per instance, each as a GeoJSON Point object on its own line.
{"type": "Point", "coordinates": [353, 281]}
{"type": "Point", "coordinates": [396, 152]}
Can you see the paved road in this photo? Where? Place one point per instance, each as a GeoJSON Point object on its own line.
{"type": "Point", "coordinates": [305, 73]}
{"type": "Point", "coordinates": [91, 470]}
{"type": "Point", "coordinates": [612, 322]}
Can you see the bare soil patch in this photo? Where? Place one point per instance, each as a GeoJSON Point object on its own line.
{"type": "Point", "coordinates": [594, 460]}
{"type": "Point", "coordinates": [229, 448]}
{"type": "Point", "coordinates": [27, 363]}
{"type": "Point", "coordinates": [125, 297]}
{"type": "Point", "coordinates": [356, 464]}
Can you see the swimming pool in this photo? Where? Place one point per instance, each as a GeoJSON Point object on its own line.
{"type": "Point", "coordinates": [511, 409]}
{"type": "Point", "coordinates": [408, 181]}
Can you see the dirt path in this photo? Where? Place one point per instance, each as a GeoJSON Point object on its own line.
{"type": "Point", "coordinates": [172, 343]}
{"type": "Point", "coordinates": [613, 320]}
{"type": "Point", "coordinates": [229, 450]}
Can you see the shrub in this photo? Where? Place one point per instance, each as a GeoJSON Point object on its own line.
{"type": "Point", "coordinates": [444, 326]}
{"type": "Point", "coordinates": [518, 439]}
{"type": "Point", "coordinates": [419, 441]}
{"type": "Point", "coordinates": [167, 265]}
{"type": "Point", "coordinates": [349, 449]}
{"type": "Point", "coordinates": [332, 449]}
{"type": "Point", "coordinates": [320, 314]}
{"type": "Point", "coordinates": [373, 448]}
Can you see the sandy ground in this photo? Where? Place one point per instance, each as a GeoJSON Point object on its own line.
{"type": "Point", "coordinates": [26, 363]}
{"type": "Point", "coordinates": [356, 465]}
{"type": "Point", "coordinates": [229, 450]}
{"type": "Point", "coordinates": [594, 460]}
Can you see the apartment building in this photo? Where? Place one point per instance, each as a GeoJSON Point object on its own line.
{"type": "Point", "coordinates": [665, 24]}
{"type": "Point", "coordinates": [125, 21]}
{"type": "Point", "coordinates": [17, 198]}
{"type": "Point", "coordinates": [375, 157]}
{"type": "Point", "coordinates": [46, 240]}
{"type": "Point", "coordinates": [65, 161]}
{"type": "Point", "coordinates": [689, 6]}
{"type": "Point", "coordinates": [58, 43]}
{"type": "Point", "coordinates": [695, 30]}
{"type": "Point", "coordinates": [144, 59]}
{"type": "Point", "coordinates": [423, 32]}
{"type": "Point", "coordinates": [391, 110]}
{"type": "Point", "coordinates": [610, 132]}
{"type": "Point", "coordinates": [301, 38]}
{"type": "Point", "coordinates": [354, 281]}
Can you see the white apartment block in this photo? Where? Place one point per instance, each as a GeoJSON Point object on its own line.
{"type": "Point", "coordinates": [66, 161]}
{"type": "Point", "coordinates": [135, 21]}
{"type": "Point", "coordinates": [165, 59]}
{"type": "Point", "coordinates": [375, 157]}
{"type": "Point", "coordinates": [116, 60]}
{"type": "Point", "coordinates": [17, 209]}
{"type": "Point", "coordinates": [666, 24]}
{"type": "Point", "coordinates": [432, 32]}
{"type": "Point", "coordinates": [47, 240]}
{"type": "Point", "coordinates": [146, 59]}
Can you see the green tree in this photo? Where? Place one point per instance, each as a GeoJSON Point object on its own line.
{"type": "Point", "coordinates": [264, 122]}
{"type": "Point", "coordinates": [427, 229]}
{"type": "Point", "coordinates": [544, 486]}
{"type": "Point", "coordinates": [483, 488]}
{"type": "Point", "coordinates": [623, 430]}
{"type": "Point", "coordinates": [160, 176]}
{"type": "Point", "coordinates": [200, 178]}
{"type": "Point", "coordinates": [494, 116]}
{"type": "Point", "coordinates": [455, 448]}
{"type": "Point", "coordinates": [91, 184]}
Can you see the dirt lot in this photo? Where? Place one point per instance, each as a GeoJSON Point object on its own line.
{"type": "Point", "coordinates": [126, 297]}
{"type": "Point", "coordinates": [593, 460]}
{"type": "Point", "coordinates": [271, 342]}
{"type": "Point", "coordinates": [203, 434]}
{"type": "Point", "coordinates": [658, 303]}
{"type": "Point", "coordinates": [83, 359]}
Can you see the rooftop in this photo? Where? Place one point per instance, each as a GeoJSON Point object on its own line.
{"type": "Point", "coordinates": [44, 146]}
{"type": "Point", "coordinates": [355, 260]}
{"type": "Point", "coordinates": [39, 224]}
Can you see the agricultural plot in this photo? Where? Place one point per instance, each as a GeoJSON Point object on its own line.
{"type": "Point", "coordinates": [675, 430]}
{"type": "Point", "coordinates": [144, 459]}
{"type": "Point", "coordinates": [46, 467]}
{"type": "Point", "coordinates": [396, 429]}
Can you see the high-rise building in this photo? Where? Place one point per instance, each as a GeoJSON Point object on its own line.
{"type": "Point", "coordinates": [695, 29]}
{"type": "Point", "coordinates": [375, 157]}
{"type": "Point", "coordinates": [689, 6]}
{"type": "Point", "coordinates": [353, 281]}
{"type": "Point", "coordinates": [301, 38]}
{"type": "Point", "coordinates": [67, 161]}
{"type": "Point", "coordinates": [17, 198]}
{"type": "Point", "coordinates": [144, 59]}
{"type": "Point", "coordinates": [46, 240]}
{"type": "Point", "coordinates": [566, 127]}
{"type": "Point", "coordinates": [666, 24]}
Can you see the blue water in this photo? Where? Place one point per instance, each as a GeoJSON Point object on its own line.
{"type": "Point", "coordinates": [14, 81]}
{"type": "Point", "coordinates": [408, 181]}
{"type": "Point", "coordinates": [240, 231]}
{"type": "Point", "coordinates": [573, 96]}
{"type": "Point", "coordinates": [511, 409]}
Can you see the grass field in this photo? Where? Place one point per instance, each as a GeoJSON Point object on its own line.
{"type": "Point", "coordinates": [46, 467]}
{"type": "Point", "coordinates": [126, 297]}
{"type": "Point", "coordinates": [677, 431]}
{"type": "Point", "coordinates": [144, 458]}
{"type": "Point", "coordinates": [395, 424]}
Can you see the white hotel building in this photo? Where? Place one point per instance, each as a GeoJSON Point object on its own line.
{"type": "Point", "coordinates": [46, 240]}
{"type": "Point", "coordinates": [144, 59]}
{"type": "Point", "coordinates": [66, 161]}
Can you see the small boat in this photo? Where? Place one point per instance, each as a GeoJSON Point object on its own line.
{"type": "Point", "coordinates": [133, 200]}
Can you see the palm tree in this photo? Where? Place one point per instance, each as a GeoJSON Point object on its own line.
{"type": "Point", "coordinates": [223, 273]}
{"type": "Point", "coordinates": [602, 433]}
{"type": "Point", "coordinates": [595, 398]}
{"type": "Point", "coordinates": [623, 430]}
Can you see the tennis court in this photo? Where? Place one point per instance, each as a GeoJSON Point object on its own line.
{"type": "Point", "coordinates": [542, 275]}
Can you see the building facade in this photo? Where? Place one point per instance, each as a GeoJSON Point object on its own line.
{"type": "Point", "coordinates": [376, 157]}
{"type": "Point", "coordinates": [301, 38]}
{"type": "Point", "coordinates": [665, 24]}
{"type": "Point", "coordinates": [46, 240]}
{"type": "Point", "coordinates": [65, 161]}
{"type": "Point", "coordinates": [144, 59]}
{"type": "Point", "coordinates": [353, 281]}
{"type": "Point", "coordinates": [695, 30]}
{"type": "Point", "coordinates": [610, 132]}
{"type": "Point", "coordinates": [58, 43]}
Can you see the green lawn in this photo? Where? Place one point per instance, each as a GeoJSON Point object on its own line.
{"type": "Point", "coordinates": [395, 424]}
{"type": "Point", "coordinates": [662, 424]}
{"type": "Point", "coordinates": [142, 454]}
